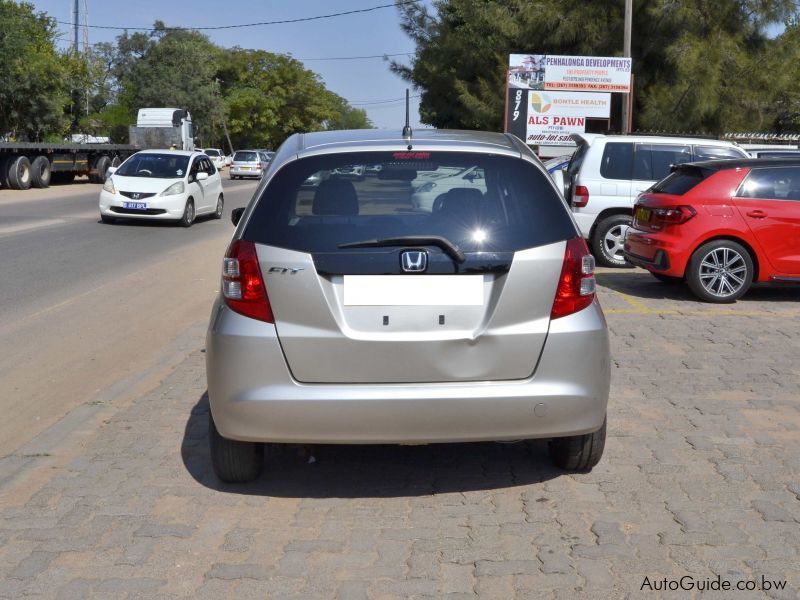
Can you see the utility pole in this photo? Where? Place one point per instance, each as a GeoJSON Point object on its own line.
{"type": "Point", "coordinates": [626, 51]}
{"type": "Point", "coordinates": [76, 17]}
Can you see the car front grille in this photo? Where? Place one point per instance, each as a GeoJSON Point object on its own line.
{"type": "Point", "coordinates": [133, 211]}
{"type": "Point", "coordinates": [137, 195]}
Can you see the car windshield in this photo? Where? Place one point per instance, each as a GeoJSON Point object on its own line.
{"type": "Point", "coordinates": [492, 204]}
{"type": "Point", "coordinates": [245, 157]}
{"type": "Point", "coordinates": [157, 166]}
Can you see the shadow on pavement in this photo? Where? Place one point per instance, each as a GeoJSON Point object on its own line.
{"type": "Point", "coordinates": [361, 471]}
{"type": "Point", "coordinates": [642, 284]}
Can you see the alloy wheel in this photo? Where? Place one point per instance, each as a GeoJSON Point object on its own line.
{"type": "Point", "coordinates": [722, 272]}
{"type": "Point", "coordinates": [614, 241]}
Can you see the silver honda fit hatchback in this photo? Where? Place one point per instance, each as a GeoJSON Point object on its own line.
{"type": "Point", "coordinates": [348, 316]}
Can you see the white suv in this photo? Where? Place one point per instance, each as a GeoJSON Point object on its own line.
{"type": "Point", "coordinates": [608, 172]}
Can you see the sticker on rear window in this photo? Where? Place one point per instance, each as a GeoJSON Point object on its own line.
{"type": "Point", "coordinates": [411, 155]}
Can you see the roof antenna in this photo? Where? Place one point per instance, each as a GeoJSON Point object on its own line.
{"type": "Point", "coordinates": [407, 129]}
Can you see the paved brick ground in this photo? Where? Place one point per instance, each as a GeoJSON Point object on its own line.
{"type": "Point", "coordinates": [701, 477]}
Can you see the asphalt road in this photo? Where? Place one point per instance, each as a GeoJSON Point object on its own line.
{"type": "Point", "coordinates": [84, 305]}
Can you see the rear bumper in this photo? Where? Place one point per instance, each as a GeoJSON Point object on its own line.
{"type": "Point", "coordinates": [657, 253]}
{"type": "Point", "coordinates": [254, 397]}
{"type": "Point", "coordinates": [238, 172]}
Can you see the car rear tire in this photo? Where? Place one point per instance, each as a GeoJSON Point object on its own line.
{"type": "Point", "coordinates": [607, 241]}
{"type": "Point", "coordinates": [19, 173]}
{"type": "Point", "coordinates": [578, 452]}
{"type": "Point", "coordinates": [188, 214]}
{"type": "Point", "coordinates": [720, 271]}
{"type": "Point", "coordinates": [220, 207]}
{"type": "Point", "coordinates": [107, 220]}
{"type": "Point", "coordinates": [41, 172]}
{"type": "Point", "coordinates": [233, 461]}
{"type": "Point", "coordinates": [666, 278]}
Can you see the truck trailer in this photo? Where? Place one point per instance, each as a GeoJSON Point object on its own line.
{"type": "Point", "coordinates": [38, 164]}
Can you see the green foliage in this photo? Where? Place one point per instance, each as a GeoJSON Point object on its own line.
{"type": "Point", "coordinates": [33, 93]}
{"type": "Point", "coordinates": [271, 96]}
{"type": "Point", "coordinates": [173, 68]}
{"type": "Point", "coordinates": [698, 65]}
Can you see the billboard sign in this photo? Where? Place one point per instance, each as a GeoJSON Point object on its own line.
{"type": "Point", "coordinates": [574, 104]}
{"type": "Point", "coordinates": [570, 73]}
{"type": "Point", "coordinates": [587, 74]}
{"type": "Point", "coordinates": [551, 97]}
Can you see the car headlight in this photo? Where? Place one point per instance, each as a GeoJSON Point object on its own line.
{"type": "Point", "coordinates": [426, 187]}
{"type": "Point", "coordinates": [108, 186]}
{"type": "Point", "coordinates": [175, 188]}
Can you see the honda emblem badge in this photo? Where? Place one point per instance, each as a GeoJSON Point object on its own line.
{"type": "Point", "coordinates": [414, 261]}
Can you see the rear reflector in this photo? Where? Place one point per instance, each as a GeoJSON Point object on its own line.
{"type": "Point", "coordinates": [242, 284]}
{"type": "Point", "coordinates": [576, 287]}
{"type": "Point", "coordinates": [581, 196]}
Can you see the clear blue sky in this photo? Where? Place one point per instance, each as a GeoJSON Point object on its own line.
{"type": "Point", "coordinates": [359, 81]}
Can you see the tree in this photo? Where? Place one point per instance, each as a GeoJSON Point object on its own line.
{"type": "Point", "coordinates": [347, 117]}
{"type": "Point", "coordinates": [173, 67]}
{"type": "Point", "coordinates": [271, 96]}
{"type": "Point", "coordinates": [33, 94]}
{"type": "Point", "coordinates": [698, 65]}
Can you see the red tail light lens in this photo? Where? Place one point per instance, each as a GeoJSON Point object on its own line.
{"type": "Point", "coordinates": [242, 284]}
{"type": "Point", "coordinates": [576, 287]}
{"type": "Point", "coordinates": [581, 196]}
{"type": "Point", "coordinates": [258, 165]}
{"type": "Point", "coordinates": [670, 215]}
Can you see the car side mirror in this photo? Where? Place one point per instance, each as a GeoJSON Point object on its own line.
{"type": "Point", "coordinates": [236, 215]}
{"type": "Point", "coordinates": [202, 176]}
{"type": "Point", "coordinates": [111, 170]}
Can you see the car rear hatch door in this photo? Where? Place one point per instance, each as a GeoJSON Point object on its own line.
{"type": "Point", "coordinates": [366, 290]}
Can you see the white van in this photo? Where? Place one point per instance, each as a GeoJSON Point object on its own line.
{"type": "Point", "coordinates": [608, 172]}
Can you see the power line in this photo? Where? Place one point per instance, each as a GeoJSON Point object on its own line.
{"type": "Point", "coordinates": [387, 101]}
{"type": "Point", "coordinates": [360, 57]}
{"type": "Point", "coordinates": [281, 22]}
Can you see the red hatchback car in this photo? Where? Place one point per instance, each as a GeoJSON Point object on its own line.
{"type": "Point", "coordinates": [720, 226]}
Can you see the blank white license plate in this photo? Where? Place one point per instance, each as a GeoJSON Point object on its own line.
{"type": "Point", "coordinates": [413, 290]}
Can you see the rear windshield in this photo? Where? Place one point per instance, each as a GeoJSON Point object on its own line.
{"type": "Point", "coordinates": [681, 181]}
{"type": "Point", "coordinates": [477, 201]}
{"type": "Point", "coordinates": [160, 166]}
{"type": "Point", "coordinates": [245, 157]}
{"type": "Point", "coordinates": [213, 153]}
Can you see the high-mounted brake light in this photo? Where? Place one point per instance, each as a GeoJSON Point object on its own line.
{"type": "Point", "coordinates": [576, 286]}
{"type": "Point", "coordinates": [242, 284]}
{"type": "Point", "coordinates": [581, 196]}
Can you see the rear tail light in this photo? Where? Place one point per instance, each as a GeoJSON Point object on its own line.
{"type": "Point", "coordinates": [258, 165]}
{"type": "Point", "coordinates": [581, 196]}
{"type": "Point", "coordinates": [577, 284]}
{"type": "Point", "coordinates": [242, 284]}
{"type": "Point", "coordinates": [670, 215]}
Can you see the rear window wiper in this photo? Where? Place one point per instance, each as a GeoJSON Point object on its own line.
{"type": "Point", "coordinates": [446, 245]}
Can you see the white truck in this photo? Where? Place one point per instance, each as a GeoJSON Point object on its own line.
{"type": "Point", "coordinates": [36, 164]}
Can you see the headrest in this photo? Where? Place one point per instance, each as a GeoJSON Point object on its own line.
{"type": "Point", "coordinates": [335, 197]}
{"type": "Point", "coordinates": [464, 202]}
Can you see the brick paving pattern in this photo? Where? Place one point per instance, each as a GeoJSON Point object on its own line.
{"type": "Point", "coordinates": [701, 477]}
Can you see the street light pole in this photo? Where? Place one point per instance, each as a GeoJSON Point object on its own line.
{"type": "Point", "coordinates": [626, 51]}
